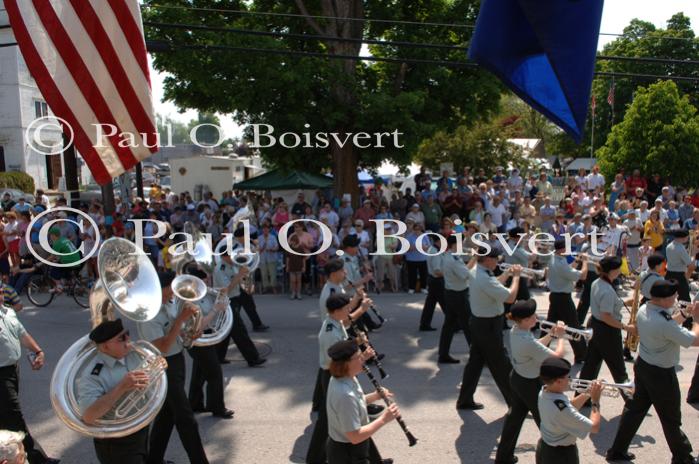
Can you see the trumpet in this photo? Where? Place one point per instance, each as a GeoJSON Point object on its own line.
{"type": "Point", "coordinates": [590, 258]}
{"type": "Point", "coordinates": [570, 332]}
{"type": "Point", "coordinates": [680, 306]}
{"type": "Point", "coordinates": [611, 390]}
{"type": "Point", "coordinates": [527, 273]}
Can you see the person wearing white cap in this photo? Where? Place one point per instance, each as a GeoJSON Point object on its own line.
{"type": "Point", "coordinates": [415, 215]}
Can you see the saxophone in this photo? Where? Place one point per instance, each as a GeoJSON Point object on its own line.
{"type": "Point", "coordinates": [632, 340]}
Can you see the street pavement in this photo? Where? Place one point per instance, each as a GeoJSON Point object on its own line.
{"type": "Point", "coordinates": [273, 420]}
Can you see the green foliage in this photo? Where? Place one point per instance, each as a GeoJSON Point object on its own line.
{"type": "Point", "coordinates": [179, 130]}
{"type": "Point", "coordinates": [17, 180]}
{"type": "Point", "coordinates": [659, 134]}
{"type": "Point", "coordinates": [483, 145]}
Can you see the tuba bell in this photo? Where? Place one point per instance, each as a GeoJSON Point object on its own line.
{"type": "Point", "coordinates": [128, 283]}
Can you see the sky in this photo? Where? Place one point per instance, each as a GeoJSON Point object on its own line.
{"type": "Point", "coordinates": [616, 15]}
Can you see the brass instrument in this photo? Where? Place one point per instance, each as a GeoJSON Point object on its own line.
{"type": "Point", "coordinates": [527, 272]}
{"type": "Point", "coordinates": [251, 261]}
{"type": "Point", "coordinates": [591, 258]}
{"type": "Point", "coordinates": [570, 332]}
{"type": "Point", "coordinates": [189, 289]}
{"type": "Point", "coordinates": [220, 326]}
{"type": "Point", "coordinates": [632, 340]}
{"type": "Point", "coordinates": [611, 390]}
{"type": "Point", "coordinates": [128, 283]}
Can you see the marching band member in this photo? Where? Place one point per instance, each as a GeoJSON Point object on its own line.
{"type": "Point", "coordinates": [349, 429]}
{"type": "Point", "coordinates": [227, 275]}
{"type": "Point", "coordinates": [332, 330]}
{"type": "Point", "coordinates": [606, 343]}
{"type": "Point", "coordinates": [680, 264]}
{"type": "Point", "coordinates": [435, 288]}
{"type": "Point", "coordinates": [562, 279]}
{"type": "Point", "coordinates": [163, 332]}
{"type": "Point", "coordinates": [651, 276]}
{"type": "Point", "coordinates": [661, 336]}
{"type": "Point", "coordinates": [522, 257]}
{"type": "Point", "coordinates": [561, 422]}
{"type": "Point", "coordinates": [246, 300]}
{"type": "Point", "coordinates": [353, 274]}
{"type": "Point", "coordinates": [587, 229]}
{"type": "Point", "coordinates": [527, 354]}
{"type": "Point", "coordinates": [486, 296]}
{"type": "Point", "coordinates": [457, 309]}
{"type": "Point", "coordinates": [13, 336]}
{"type": "Point", "coordinates": [205, 365]}
{"type": "Point", "coordinates": [114, 373]}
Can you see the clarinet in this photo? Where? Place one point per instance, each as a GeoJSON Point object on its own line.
{"type": "Point", "coordinates": [411, 438]}
{"type": "Point", "coordinates": [372, 307]}
{"type": "Point", "coordinates": [366, 343]}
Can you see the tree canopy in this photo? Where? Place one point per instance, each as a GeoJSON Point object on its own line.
{"type": "Point", "coordinates": [659, 134]}
{"type": "Point", "coordinates": [329, 95]}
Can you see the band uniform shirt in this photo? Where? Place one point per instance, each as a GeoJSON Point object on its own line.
{"type": "Point", "coordinates": [648, 278]}
{"type": "Point", "coordinates": [519, 256]}
{"type": "Point", "coordinates": [561, 423]}
{"type": "Point", "coordinates": [677, 257]}
{"type": "Point", "coordinates": [352, 271]}
{"type": "Point", "coordinates": [331, 332]}
{"type": "Point", "coordinates": [562, 276]}
{"type": "Point", "coordinates": [527, 353]}
{"type": "Point", "coordinates": [102, 376]}
{"type": "Point", "coordinates": [603, 299]}
{"type": "Point", "coordinates": [328, 289]}
{"type": "Point", "coordinates": [11, 332]}
{"type": "Point", "coordinates": [434, 263]}
{"type": "Point", "coordinates": [346, 408]}
{"type": "Point", "coordinates": [456, 272]}
{"type": "Point", "coordinates": [223, 274]}
{"type": "Point", "coordinates": [160, 325]}
{"type": "Point", "coordinates": [487, 295]}
{"type": "Point", "coordinates": [660, 336]}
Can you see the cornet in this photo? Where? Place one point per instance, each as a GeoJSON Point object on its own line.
{"type": "Point", "coordinates": [611, 390]}
{"type": "Point", "coordinates": [570, 332]}
{"type": "Point", "coordinates": [590, 258]}
{"type": "Point", "coordinates": [527, 273]}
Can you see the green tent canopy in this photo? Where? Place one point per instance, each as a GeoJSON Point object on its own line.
{"type": "Point", "coordinates": [278, 180]}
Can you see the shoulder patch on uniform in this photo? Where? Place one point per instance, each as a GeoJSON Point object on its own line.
{"type": "Point", "coordinates": [329, 328]}
{"type": "Point", "coordinates": [97, 369]}
{"type": "Point", "coordinates": [666, 315]}
{"type": "Point", "coordinates": [560, 404]}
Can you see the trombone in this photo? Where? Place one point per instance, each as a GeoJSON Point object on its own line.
{"type": "Point", "coordinates": [527, 273]}
{"type": "Point", "coordinates": [611, 390]}
{"type": "Point", "coordinates": [570, 332]}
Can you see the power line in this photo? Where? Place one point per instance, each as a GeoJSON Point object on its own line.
{"type": "Point", "coordinates": [8, 45]}
{"type": "Point", "coordinates": [647, 76]}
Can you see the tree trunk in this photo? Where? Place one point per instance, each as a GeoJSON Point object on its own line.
{"type": "Point", "coordinates": [345, 161]}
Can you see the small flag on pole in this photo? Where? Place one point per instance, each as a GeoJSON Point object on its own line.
{"type": "Point", "coordinates": [610, 97]}
{"type": "Point", "coordinates": [593, 105]}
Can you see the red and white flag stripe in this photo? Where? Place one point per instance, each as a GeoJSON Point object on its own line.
{"type": "Point", "coordinates": [88, 58]}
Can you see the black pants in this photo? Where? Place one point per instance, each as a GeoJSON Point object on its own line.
{"type": "Point", "coordinates": [457, 312]}
{"type": "Point", "coordinates": [316, 449]}
{"type": "Point", "coordinates": [206, 368]}
{"type": "Point", "coordinates": [318, 395]}
{"type": "Point", "coordinates": [658, 387]}
{"type": "Point", "coordinates": [347, 453]}
{"type": "Point", "coordinates": [11, 417]}
{"type": "Point", "coordinates": [248, 304]}
{"type": "Point", "coordinates": [415, 267]}
{"type": "Point", "coordinates": [584, 303]}
{"type": "Point", "coordinates": [130, 449]}
{"type": "Point", "coordinates": [682, 291]}
{"type": "Point", "coordinates": [240, 336]}
{"type": "Point", "coordinates": [561, 308]}
{"type": "Point", "coordinates": [487, 349]}
{"type": "Point", "coordinates": [605, 345]}
{"type": "Point", "coordinates": [547, 454]}
{"type": "Point", "coordinates": [693, 393]}
{"type": "Point", "coordinates": [435, 294]}
{"type": "Point", "coordinates": [524, 399]}
{"type": "Point", "coordinates": [176, 412]}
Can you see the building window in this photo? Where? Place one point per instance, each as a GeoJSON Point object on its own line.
{"type": "Point", "coordinates": [41, 109]}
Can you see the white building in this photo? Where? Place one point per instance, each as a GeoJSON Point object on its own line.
{"type": "Point", "coordinates": [20, 104]}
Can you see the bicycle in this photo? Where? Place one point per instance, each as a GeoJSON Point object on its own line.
{"type": "Point", "coordinates": [41, 289]}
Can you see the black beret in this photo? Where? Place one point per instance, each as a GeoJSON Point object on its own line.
{"type": "Point", "coordinates": [239, 232]}
{"type": "Point", "coordinates": [350, 241]}
{"type": "Point", "coordinates": [559, 244]}
{"type": "Point", "coordinates": [655, 259]}
{"type": "Point", "coordinates": [451, 239]}
{"type": "Point", "coordinates": [680, 233]}
{"type": "Point", "coordinates": [166, 278]}
{"type": "Point", "coordinates": [337, 301]}
{"type": "Point", "coordinates": [254, 235]}
{"type": "Point", "coordinates": [609, 263]}
{"type": "Point", "coordinates": [494, 252]}
{"type": "Point", "coordinates": [333, 265]}
{"type": "Point", "coordinates": [523, 308]}
{"type": "Point", "coordinates": [515, 231]}
{"type": "Point", "coordinates": [106, 331]}
{"type": "Point", "coordinates": [342, 351]}
{"type": "Point", "coordinates": [663, 288]}
{"type": "Point", "coordinates": [554, 367]}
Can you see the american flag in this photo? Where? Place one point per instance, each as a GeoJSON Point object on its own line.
{"type": "Point", "coordinates": [88, 58]}
{"type": "Point", "coordinates": [593, 105]}
{"type": "Point", "coordinates": [610, 96]}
